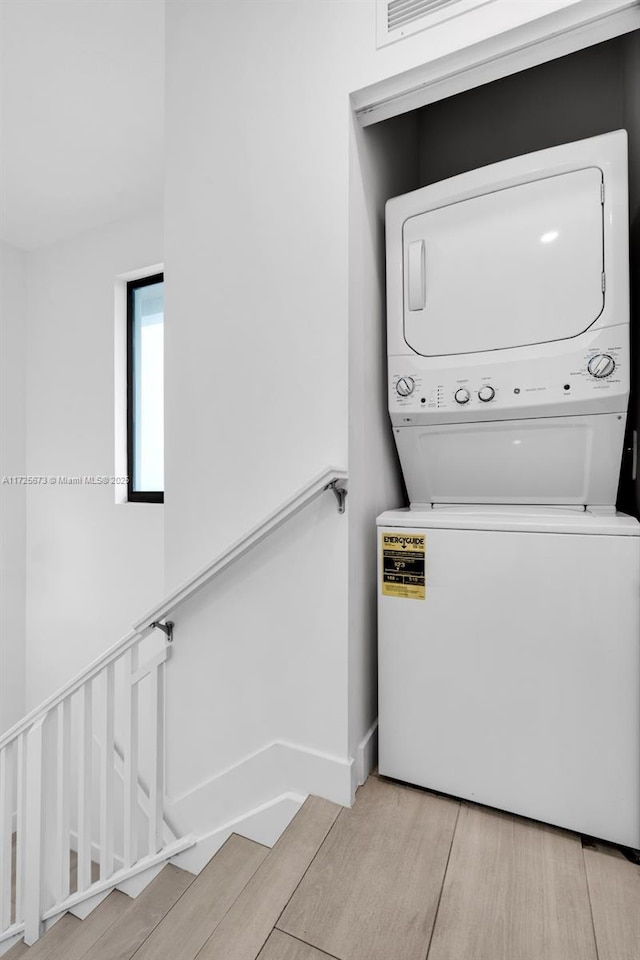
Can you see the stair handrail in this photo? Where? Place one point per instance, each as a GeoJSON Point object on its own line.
{"type": "Point", "coordinates": [333, 478]}
{"type": "Point", "coordinates": [323, 481]}
{"type": "Point", "coordinates": [69, 688]}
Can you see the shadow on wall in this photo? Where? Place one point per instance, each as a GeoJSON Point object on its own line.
{"type": "Point", "coordinates": [591, 92]}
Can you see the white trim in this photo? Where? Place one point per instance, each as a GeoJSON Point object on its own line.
{"type": "Point", "coordinates": [10, 932]}
{"type": "Point", "coordinates": [140, 273]}
{"type": "Point", "coordinates": [366, 755]}
{"type": "Point", "coordinates": [317, 755]}
{"type": "Point", "coordinates": [263, 824]}
{"type": "Point", "coordinates": [276, 768]}
{"type": "Point", "coordinates": [133, 886]}
{"type": "Point", "coordinates": [546, 38]}
{"type": "Point", "coordinates": [82, 910]}
{"type": "Point", "coordinates": [257, 796]}
{"type": "Point", "coordinates": [119, 877]}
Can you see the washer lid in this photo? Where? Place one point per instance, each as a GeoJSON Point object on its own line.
{"type": "Point", "coordinates": [518, 266]}
{"type": "Point", "coordinates": [520, 519]}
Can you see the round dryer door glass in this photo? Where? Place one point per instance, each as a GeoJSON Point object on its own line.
{"type": "Point", "coordinates": [518, 266]}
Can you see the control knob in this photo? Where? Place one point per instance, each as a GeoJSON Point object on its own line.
{"type": "Point", "coordinates": [405, 386]}
{"type": "Point", "coordinates": [602, 365]}
{"type": "Point", "coordinates": [486, 393]}
{"type": "Point", "coordinates": [462, 395]}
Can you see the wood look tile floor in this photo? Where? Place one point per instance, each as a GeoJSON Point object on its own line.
{"type": "Point", "coordinates": [410, 875]}
{"type": "Point", "coordinates": [404, 875]}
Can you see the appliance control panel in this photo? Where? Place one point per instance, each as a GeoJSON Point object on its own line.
{"type": "Point", "coordinates": [589, 374]}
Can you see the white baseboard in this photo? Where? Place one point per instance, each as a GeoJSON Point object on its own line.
{"type": "Point", "coordinates": [257, 797]}
{"type": "Point", "coordinates": [135, 885]}
{"type": "Point", "coordinates": [366, 755]}
{"type": "Point", "coordinates": [82, 910]}
{"type": "Point", "coordinates": [263, 824]}
{"type": "Point", "coordinates": [10, 941]}
{"type": "Point", "coordinates": [132, 886]}
{"type": "Point", "coordinates": [119, 880]}
{"type": "Point", "coordinates": [6, 945]}
{"type": "Point", "coordinates": [257, 780]}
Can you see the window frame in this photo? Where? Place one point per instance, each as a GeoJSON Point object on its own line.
{"type": "Point", "coordinates": [136, 496]}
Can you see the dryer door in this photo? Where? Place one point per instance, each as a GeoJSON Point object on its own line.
{"type": "Point", "coordinates": [519, 266]}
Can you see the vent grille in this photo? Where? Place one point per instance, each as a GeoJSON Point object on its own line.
{"type": "Point", "coordinates": [402, 12]}
{"type": "Point", "coordinates": [402, 18]}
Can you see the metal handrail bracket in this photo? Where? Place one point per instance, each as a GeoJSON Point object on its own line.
{"type": "Point", "coordinates": [333, 478]}
{"type": "Point", "coordinates": [339, 487]}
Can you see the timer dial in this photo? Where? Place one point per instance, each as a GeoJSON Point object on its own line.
{"type": "Point", "coordinates": [462, 395]}
{"type": "Point", "coordinates": [405, 386]}
{"type": "Point", "coordinates": [486, 393]}
{"type": "Point", "coordinates": [602, 365]}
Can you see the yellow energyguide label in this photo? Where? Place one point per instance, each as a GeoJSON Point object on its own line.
{"type": "Point", "coordinates": [403, 571]}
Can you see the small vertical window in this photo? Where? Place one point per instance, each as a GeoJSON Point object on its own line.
{"type": "Point", "coordinates": [145, 389]}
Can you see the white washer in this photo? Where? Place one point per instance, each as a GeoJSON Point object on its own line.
{"type": "Point", "coordinates": [515, 681]}
{"type": "Point", "coordinates": [509, 629]}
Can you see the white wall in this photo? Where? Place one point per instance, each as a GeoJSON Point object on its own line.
{"type": "Point", "coordinates": [384, 163]}
{"type": "Point", "coordinates": [93, 566]}
{"type": "Point", "coordinates": [257, 187]}
{"type": "Point", "coordinates": [259, 659]}
{"type": "Point", "coordinates": [258, 133]}
{"type": "Point", "coordinates": [12, 497]}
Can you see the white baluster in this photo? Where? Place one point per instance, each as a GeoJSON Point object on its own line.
{"type": "Point", "coordinates": [21, 793]}
{"type": "Point", "coordinates": [33, 835]}
{"type": "Point", "coordinates": [6, 818]}
{"type": "Point", "coordinates": [85, 774]}
{"type": "Point", "coordinates": [156, 781]}
{"type": "Point", "coordinates": [63, 797]}
{"type": "Point", "coordinates": [106, 778]}
{"type": "Point", "coordinates": [130, 758]}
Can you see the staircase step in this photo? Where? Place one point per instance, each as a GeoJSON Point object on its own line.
{"type": "Point", "coordinates": [123, 938]}
{"type": "Point", "coordinates": [19, 949]}
{"type": "Point", "coordinates": [242, 932]}
{"type": "Point", "coordinates": [92, 928]}
{"type": "Point", "coordinates": [192, 920]}
{"type": "Point", "coordinates": [52, 940]}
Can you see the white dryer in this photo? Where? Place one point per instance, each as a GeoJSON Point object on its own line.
{"type": "Point", "coordinates": [509, 592]}
{"type": "Point", "coordinates": [508, 329]}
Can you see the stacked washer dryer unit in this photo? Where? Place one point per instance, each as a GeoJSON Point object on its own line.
{"type": "Point", "coordinates": [509, 592]}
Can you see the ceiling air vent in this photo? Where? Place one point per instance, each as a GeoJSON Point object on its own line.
{"type": "Point", "coordinates": [397, 19]}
